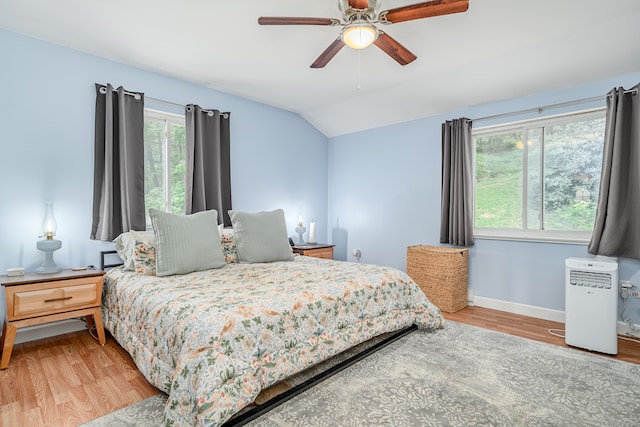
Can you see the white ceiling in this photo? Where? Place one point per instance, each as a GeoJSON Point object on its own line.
{"type": "Point", "coordinates": [498, 49]}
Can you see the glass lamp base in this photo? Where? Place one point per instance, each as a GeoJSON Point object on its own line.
{"type": "Point", "coordinates": [300, 230]}
{"type": "Point", "coordinates": [48, 247]}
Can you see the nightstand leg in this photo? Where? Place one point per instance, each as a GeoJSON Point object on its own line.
{"type": "Point", "coordinates": [97, 319]}
{"type": "Point", "coordinates": [8, 337]}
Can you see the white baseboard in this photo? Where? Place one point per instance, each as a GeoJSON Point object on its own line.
{"type": "Point", "coordinates": [517, 308]}
{"type": "Point", "coordinates": [533, 311]}
{"type": "Point", "coordinates": [36, 332]}
{"type": "Point", "coordinates": [623, 329]}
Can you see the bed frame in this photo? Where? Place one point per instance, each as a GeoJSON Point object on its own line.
{"type": "Point", "coordinates": [109, 254]}
{"type": "Point", "coordinates": [257, 411]}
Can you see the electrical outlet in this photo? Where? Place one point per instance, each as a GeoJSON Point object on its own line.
{"type": "Point", "coordinates": [624, 289]}
{"type": "Point", "coordinates": [624, 293]}
{"type": "Point", "coordinates": [628, 290]}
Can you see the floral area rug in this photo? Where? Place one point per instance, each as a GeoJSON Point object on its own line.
{"type": "Point", "coordinates": [459, 376]}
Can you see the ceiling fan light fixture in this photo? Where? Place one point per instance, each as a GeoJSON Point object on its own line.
{"type": "Point", "coordinates": [359, 35]}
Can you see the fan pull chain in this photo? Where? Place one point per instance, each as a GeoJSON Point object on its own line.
{"type": "Point", "coordinates": [358, 87]}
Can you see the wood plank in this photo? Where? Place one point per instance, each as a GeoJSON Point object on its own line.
{"type": "Point", "coordinates": [32, 418]}
{"type": "Point", "coordinates": [11, 415]}
{"type": "Point", "coordinates": [79, 406]}
{"type": "Point", "coordinates": [25, 392]}
{"type": "Point", "coordinates": [8, 392]}
{"type": "Point", "coordinates": [35, 378]}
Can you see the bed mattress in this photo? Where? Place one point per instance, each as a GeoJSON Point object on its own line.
{"type": "Point", "coordinates": [212, 340]}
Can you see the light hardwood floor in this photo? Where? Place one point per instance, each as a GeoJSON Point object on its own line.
{"type": "Point", "coordinates": [532, 328]}
{"type": "Point", "coordinates": [70, 379]}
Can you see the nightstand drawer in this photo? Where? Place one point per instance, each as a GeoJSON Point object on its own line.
{"type": "Point", "coordinates": [42, 302]}
{"type": "Point", "coordinates": [41, 299]}
{"type": "Point", "coordinates": [321, 253]}
{"type": "Point", "coordinates": [316, 250]}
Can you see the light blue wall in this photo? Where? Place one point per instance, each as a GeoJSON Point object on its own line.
{"type": "Point", "coordinates": [47, 107]}
{"type": "Point", "coordinates": [384, 195]}
{"type": "Point", "coordinates": [383, 185]}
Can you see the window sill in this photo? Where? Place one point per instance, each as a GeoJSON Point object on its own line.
{"type": "Point", "coordinates": [576, 238]}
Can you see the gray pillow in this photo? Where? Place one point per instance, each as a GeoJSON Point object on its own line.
{"type": "Point", "coordinates": [261, 236]}
{"type": "Point", "coordinates": [186, 243]}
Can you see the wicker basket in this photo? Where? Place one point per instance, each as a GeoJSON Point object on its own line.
{"type": "Point", "coordinates": [441, 273]}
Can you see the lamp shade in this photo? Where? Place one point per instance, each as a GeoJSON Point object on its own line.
{"type": "Point", "coordinates": [359, 35]}
{"type": "Point", "coordinates": [49, 224]}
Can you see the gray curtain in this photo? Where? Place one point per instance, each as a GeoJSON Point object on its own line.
{"type": "Point", "coordinates": [456, 217]}
{"type": "Point", "coordinates": [208, 170]}
{"type": "Point", "coordinates": [118, 180]}
{"type": "Point", "coordinates": [617, 226]}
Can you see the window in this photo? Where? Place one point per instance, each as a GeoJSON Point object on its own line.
{"type": "Point", "coordinates": [164, 161]}
{"type": "Point", "coordinates": [539, 179]}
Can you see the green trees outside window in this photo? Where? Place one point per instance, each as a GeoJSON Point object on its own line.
{"type": "Point", "coordinates": [539, 175]}
{"type": "Point", "coordinates": [164, 161]}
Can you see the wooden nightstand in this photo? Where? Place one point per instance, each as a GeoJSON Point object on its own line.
{"type": "Point", "coordinates": [317, 250]}
{"type": "Point", "coordinates": [34, 299]}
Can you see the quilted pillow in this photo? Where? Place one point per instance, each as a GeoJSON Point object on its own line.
{"type": "Point", "coordinates": [186, 243]}
{"type": "Point", "coordinates": [144, 253]}
{"type": "Point", "coordinates": [261, 236]}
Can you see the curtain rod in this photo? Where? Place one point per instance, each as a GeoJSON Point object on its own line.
{"type": "Point", "coordinates": [137, 96]}
{"type": "Point", "coordinates": [546, 107]}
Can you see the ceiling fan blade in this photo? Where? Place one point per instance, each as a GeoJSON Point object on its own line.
{"type": "Point", "coordinates": [359, 4]}
{"type": "Point", "coordinates": [282, 20]}
{"type": "Point", "coordinates": [328, 54]}
{"type": "Point", "coordinates": [394, 49]}
{"type": "Point", "coordinates": [424, 10]}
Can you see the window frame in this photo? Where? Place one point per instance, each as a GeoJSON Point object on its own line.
{"type": "Point", "coordinates": [524, 234]}
{"type": "Point", "coordinates": [169, 119]}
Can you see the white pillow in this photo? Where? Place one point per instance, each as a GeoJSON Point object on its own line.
{"type": "Point", "coordinates": [125, 245]}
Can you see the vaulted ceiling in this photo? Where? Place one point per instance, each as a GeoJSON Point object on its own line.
{"type": "Point", "coordinates": [498, 49]}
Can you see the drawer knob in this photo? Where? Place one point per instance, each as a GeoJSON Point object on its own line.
{"type": "Point", "coordinates": [57, 299]}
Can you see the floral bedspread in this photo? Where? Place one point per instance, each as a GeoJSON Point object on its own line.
{"type": "Point", "coordinates": [214, 339]}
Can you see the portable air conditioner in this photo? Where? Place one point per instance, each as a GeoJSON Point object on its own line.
{"type": "Point", "coordinates": [591, 304]}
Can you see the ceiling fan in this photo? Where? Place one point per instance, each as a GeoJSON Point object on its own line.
{"type": "Point", "coordinates": [359, 31]}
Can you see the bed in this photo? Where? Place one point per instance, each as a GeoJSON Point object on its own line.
{"type": "Point", "coordinates": [213, 339]}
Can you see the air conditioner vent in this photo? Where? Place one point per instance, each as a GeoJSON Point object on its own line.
{"type": "Point", "coordinates": [590, 279]}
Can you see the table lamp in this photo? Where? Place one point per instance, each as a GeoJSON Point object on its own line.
{"type": "Point", "coordinates": [300, 229]}
{"type": "Point", "coordinates": [49, 245]}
